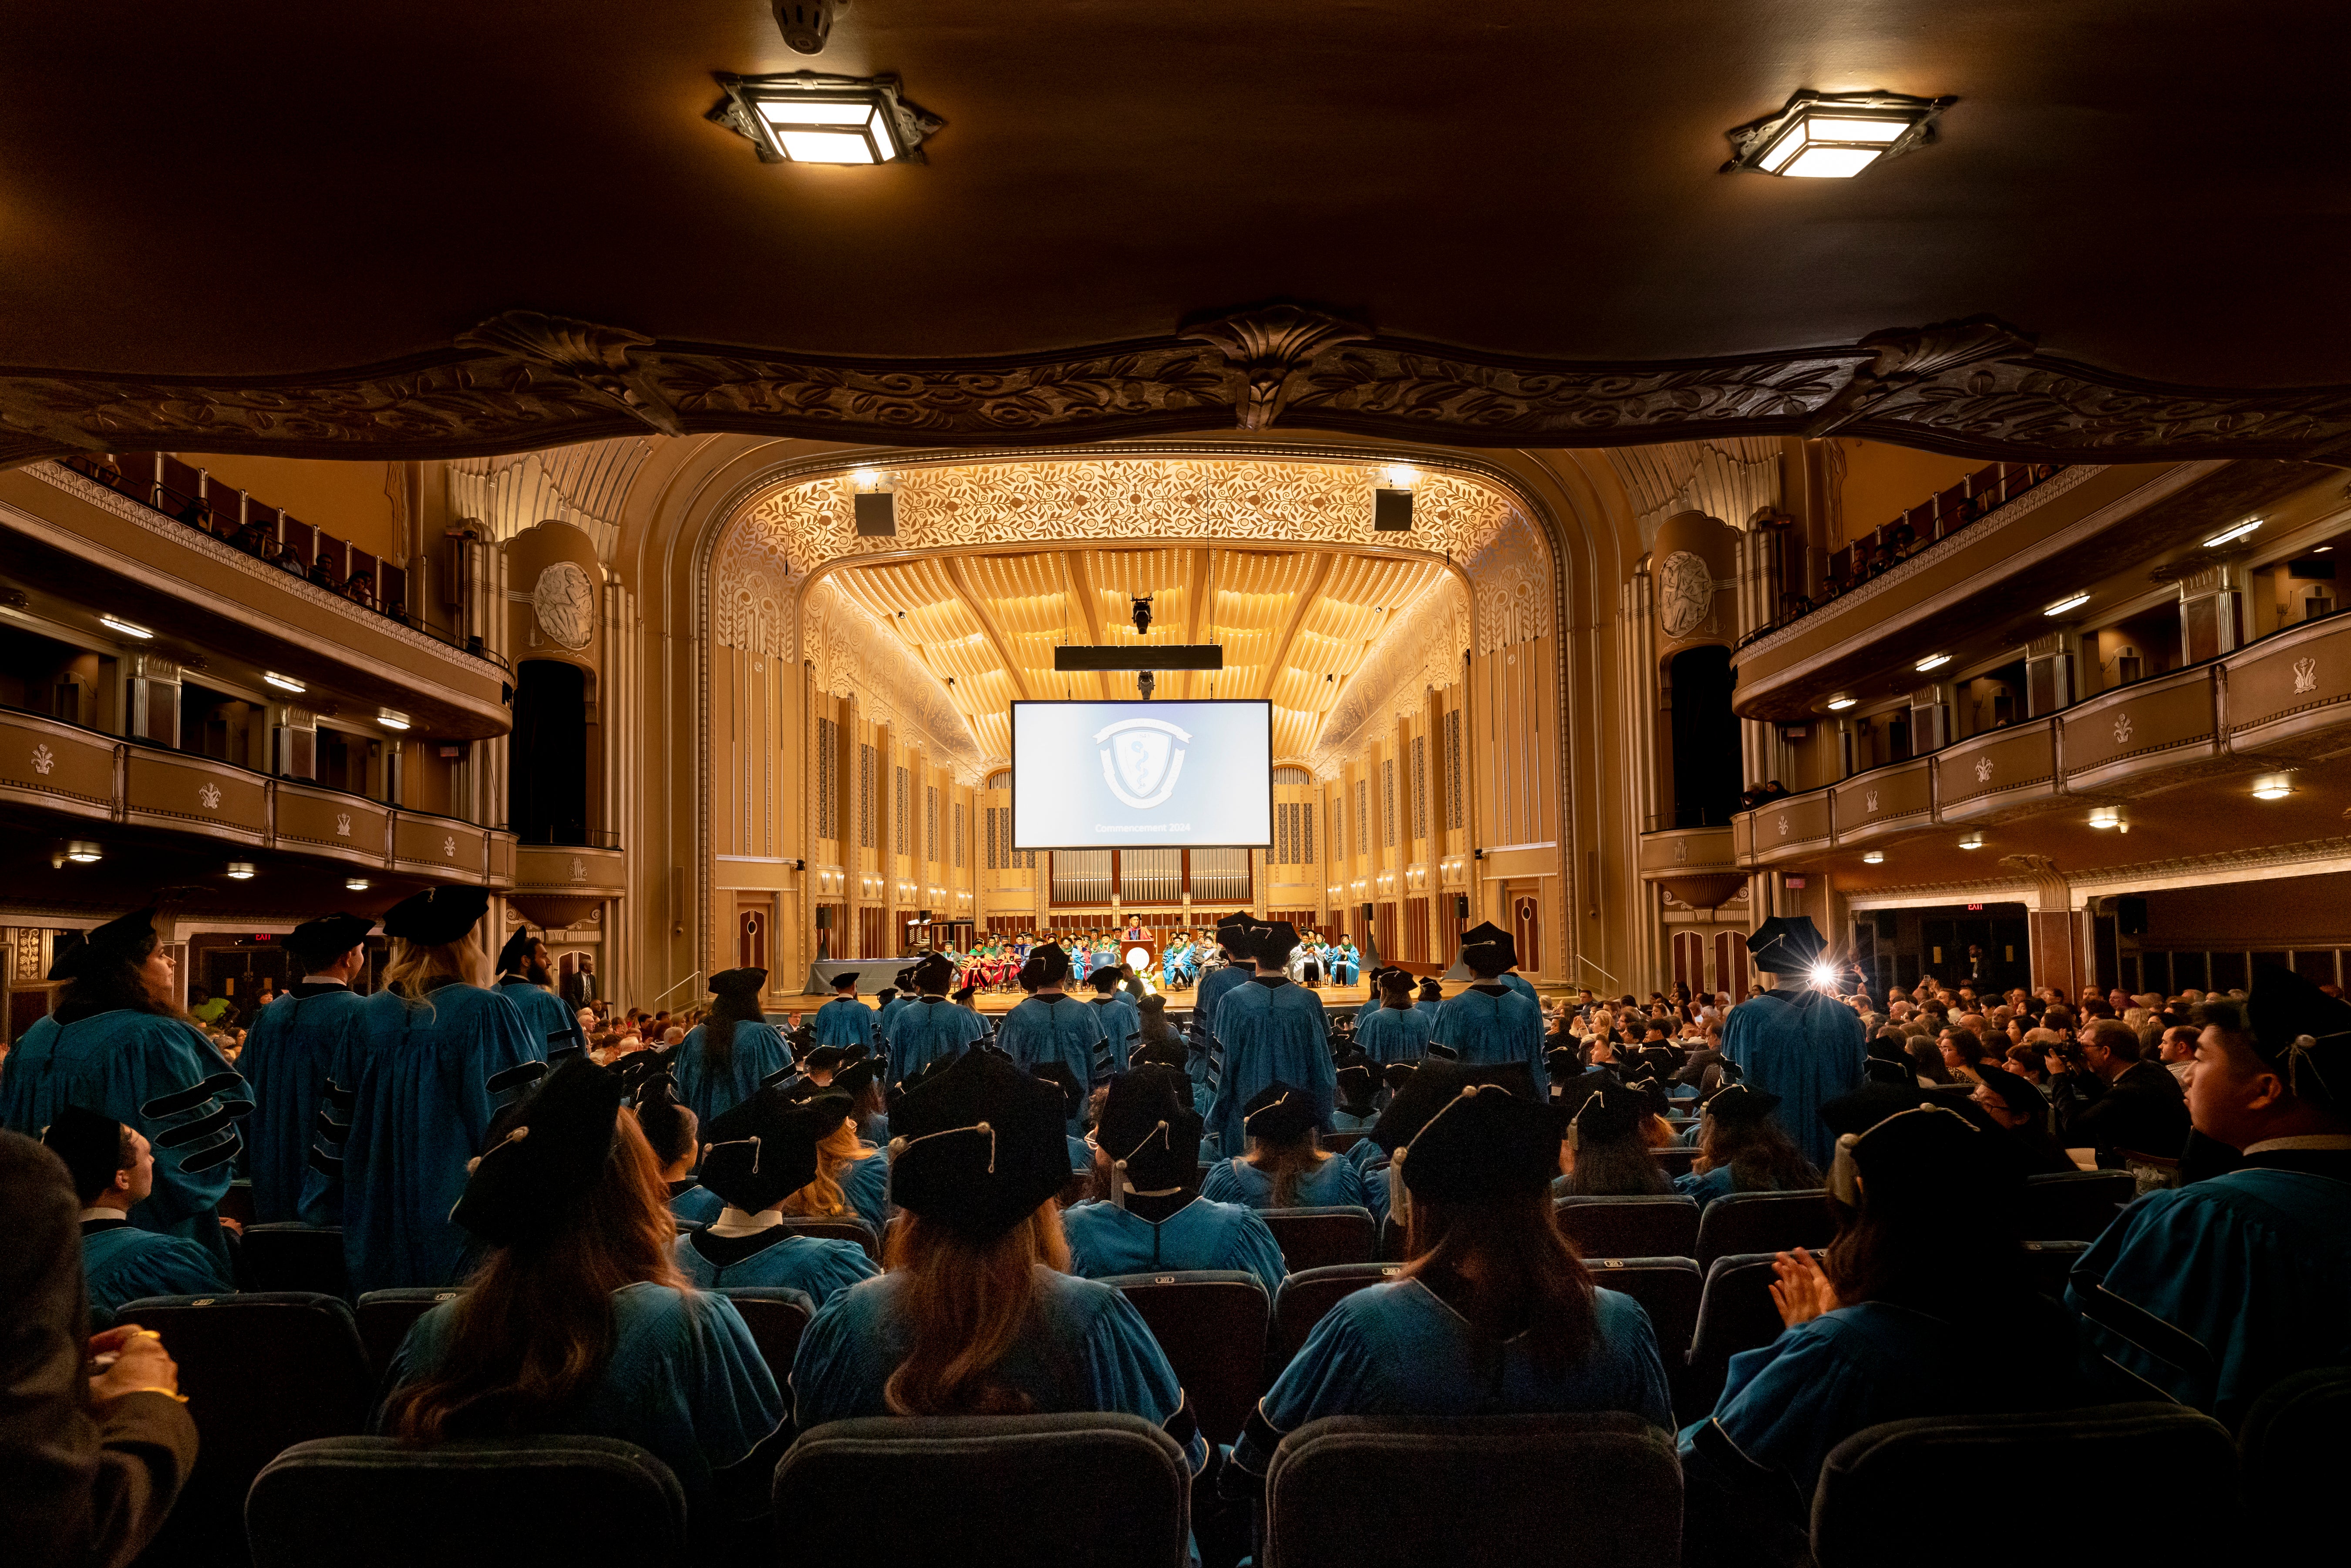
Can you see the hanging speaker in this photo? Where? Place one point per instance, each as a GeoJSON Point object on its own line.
{"type": "Point", "coordinates": [877, 514]}
{"type": "Point", "coordinates": [824, 916]}
{"type": "Point", "coordinates": [1367, 911]}
{"type": "Point", "coordinates": [1460, 906]}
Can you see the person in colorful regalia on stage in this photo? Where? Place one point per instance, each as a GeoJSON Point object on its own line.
{"type": "Point", "coordinates": [1272, 1029]}
{"type": "Point", "coordinates": [760, 1153]}
{"type": "Point", "coordinates": [844, 1020]}
{"type": "Point", "coordinates": [1491, 1022]}
{"type": "Point", "coordinates": [290, 1055]}
{"type": "Point", "coordinates": [734, 1051]}
{"type": "Point", "coordinates": [1052, 1027]}
{"type": "Point", "coordinates": [1795, 1041]}
{"type": "Point", "coordinates": [932, 1028]}
{"type": "Point", "coordinates": [117, 1045]}
{"type": "Point", "coordinates": [1347, 963]}
{"type": "Point", "coordinates": [2214, 1290]}
{"type": "Point", "coordinates": [527, 979]}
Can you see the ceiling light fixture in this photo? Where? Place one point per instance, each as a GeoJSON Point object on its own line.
{"type": "Point", "coordinates": [1875, 857]}
{"type": "Point", "coordinates": [2240, 531]}
{"type": "Point", "coordinates": [1400, 476]}
{"type": "Point", "coordinates": [1932, 662]}
{"type": "Point", "coordinates": [1839, 703]}
{"type": "Point", "coordinates": [2073, 601]}
{"type": "Point", "coordinates": [799, 117]}
{"type": "Point", "coordinates": [2106, 817]}
{"type": "Point", "coordinates": [1833, 136]}
{"type": "Point", "coordinates": [356, 884]}
{"type": "Point", "coordinates": [240, 871]}
{"type": "Point", "coordinates": [81, 852]}
{"type": "Point", "coordinates": [390, 719]}
{"type": "Point", "coordinates": [1972, 842]}
{"type": "Point", "coordinates": [2272, 786]}
{"type": "Point", "coordinates": [128, 630]}
{"type": "Point", "coordinates": [284, 682]}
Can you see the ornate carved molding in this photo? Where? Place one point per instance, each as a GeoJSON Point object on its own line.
{"type": "Point", "coordinates": [526, 378]}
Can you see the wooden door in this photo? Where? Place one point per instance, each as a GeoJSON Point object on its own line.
{"type": "Point", "coordinates": [1731, 963]}
{"type": "Point", "coordinates": [1526, 931]}
{"type": "Point", "coordinates": [1689, 960]}
{"type": "Point", "coordinates": [751, 931]}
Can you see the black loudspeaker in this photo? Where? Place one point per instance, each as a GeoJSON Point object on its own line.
{"type": "Point", "coordinates": [877, 514]}
{"type": "Point", "coordinates": [2130, 917]}
{"type": "Point", "coordinates": [824, 916]}
{"type": "Point", "coordinates": [1460, 906]}
{"type": "Point", "coordinates": [1391, 511]}
{"type": "Point", "coordinates": [1367, 911]}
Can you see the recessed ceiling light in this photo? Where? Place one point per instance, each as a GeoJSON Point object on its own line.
{"type": "Point", "coordinates": [1875, 857]}
{"type": "Point", "coordinates": [2272, 786]}
{"type": "Point", "coordinates": [1932, 662]}
{"type": "Point", "coordinates": [1833, 136]}
{"type": "Point", "coordinates": [128, 628]}
{"type": "Point", "coordinates": [284, 682]}
{"type": "Point", "coordinates": [1839, 704]}
{"type": "Point", "coordinates": [82, 851]}
{"type": "Point", "coordinates": [240, 871]}
{"type": "Point", "coordinates": [2240, 531]}
{"type": "Point", "coordinates": [2074, 602]}
{"type": "Point", "coordinates": [802, 118]}
{"type": "Point", "coordinates": [392, 720]}
{"type": "Point", "coordinates": [1972, 842]}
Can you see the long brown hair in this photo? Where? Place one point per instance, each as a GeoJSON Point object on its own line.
{"type": "Point", "coordinates": [1503, 1265]}
{"type": "Point", "coordinates": [968, 1302]}
{"type": "Point", "coordinates": [1760, 1157]}
{"type": "Point", "coordinates": [836, 1152]}
{"type": "Point", "coordinates": [536, 1326]}
{"type": "Point", "coordinates": [116, 984]}
{"type": "Point", "coordinates": [1288, 1164]}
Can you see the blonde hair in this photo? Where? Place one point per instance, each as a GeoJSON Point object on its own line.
{"type": "Point", "coordinates": [967, 1303]}
{"type": "Point", "coordinates": [824, 1197]}
{"type": "Point", "coordinates": [412, 965]}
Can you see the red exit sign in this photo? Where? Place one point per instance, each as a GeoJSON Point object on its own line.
{"type": "Point", "coordinates": [1793, 881]}
{"type": "Point", "coordinates": [1974, 906]}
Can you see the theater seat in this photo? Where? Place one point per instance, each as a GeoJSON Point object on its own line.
{"type": "Point", "coordinates": [289, 1256]}
{"type": "Point", "coordinates": [1108, 1488]}
{"type": "Point", "coordinates": [1663, 1226]}
{"type": "Point", "coordinates": [776, 1316]}
{"type": "Point", "coordinates": [2049, 1262]}
{"type": "Point", "coordinates": [1734, 1313]}
{"type": "Point", "coordinates": [261, 1372]}
{"type": "Point", "coordinates": [1339, 1143]}
{"type": "Point", "coordinates": [1765, 1222]}
{"type": "Point", "coordinates": [1318, 1237]}
{"type": "Point", "coordinates": [1393, 1236]}
{"type": "Point", "coordinates": [1668, 1289]}
{"type": "Point", "coordinates": [1308, 1294]}
{"type": "Point", "coordinates": [2295, 1435]}
{"type": "Point", "coordinates": [1676, 1158]}
{"type": "Point", "coordinates": [1211, 1324]}
{"type": "Point", "coordinates": [2073, 1206]}
{"type": "Point", "coordinates": [845, 1227]}
{"type": "Point", "coordinates": [1867, 1509]}
{"type": "Point", "coordinates": [1512, 1491]}
{"type": "Point", "coordinates": [384, 1317]}
{"type": "Point", "coordinates": [369, 1502]}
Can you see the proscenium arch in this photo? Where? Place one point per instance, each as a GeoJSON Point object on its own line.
{"type": "Point", "coordinates": [733, 513]}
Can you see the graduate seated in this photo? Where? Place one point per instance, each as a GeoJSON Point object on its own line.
{"type": "Point", "coordinates": [976, 1314]}
{"type": "Point", "coordinates": [1604, 1154]}
{"type": "Point", "coordinates": [577, 1320]}
{"type": "Point", "coordinates": [113, 1168]}
{"type": "Point", "coordinates": [2021, 1112]}
{"type": "Point", "coordinates": [1286, 1165]}
{"type": "Point", "coordinates": [1495, 1315]}
{"type": "Point", "coordinates": [1359, 1089]}
{"type": "Point", "coordinates": [762, 1154]}
{"type": "Point", "coordinates": [1741, 1148]}
{"type": "Point", "coordinates": [1921, 1306]}
{"type": "Point", "coordinates": [2253, 1266]}
{"type": "Point", "coordinates": [852, 1178]}
{"type": "Point", "coordinates": [1146, 1213]}
{"type": "Point", "coordinates": [673, 1134]}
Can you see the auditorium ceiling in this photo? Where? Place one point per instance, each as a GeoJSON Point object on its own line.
{"type": "Point", "coordinates": [1294, 624]}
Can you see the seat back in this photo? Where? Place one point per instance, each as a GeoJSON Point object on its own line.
{"type": "Point", "coordinates": [2049, 1262]}
{"type": "Point", "coordinates": [1339, 1143]}
{"type": "Point", "coordinates": [1393, 1236]}
{"type": "Point", "coordinates": [1318, 1237]}
{"type": "Point", "coordinates": [2292, 1439]}
{"type": "Point", "coordinates": [284, 1256]}
{"type": "Point", "coordinates": [1871, 1487]}
{"type": "Point", "coordinates": [776, 1316]}
{"type": "Point", "coordinates": [1676, 1158]}
{"type": "Point", "coordinates": [386, 1316]}
{"type": "Point", "coordinates": [1210, 1323]}
{"type": "Point", "coordinates": [261, 1372]}
{"type": "Point", "coordinates": [1764, 1222]}
{"type": "Point", "coordinates": [373, 1502]}
{"type": "Point", "coordinates": [1308, 1294]}
{"type": "Point", "coordinates": [1668, 1289]}
{"type": "Point", "coordinates": [842, 1228]}
{"type": "Point", "coordinates": [2072, 1206]}
{"type": "Point", "coordinates": [1108, 1489]}
{"type": "Point", "coordinates": [1734, 1313]}
{"type": "Point", "coordinates": [1664, 1225]}
{"type": "Point", "coordinates": [1598, 1490]}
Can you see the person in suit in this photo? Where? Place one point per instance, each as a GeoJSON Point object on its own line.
{"type": "Point", "coordinates": [2116, 1100]}
{"type": "Point", "coordinates": [580, 984]}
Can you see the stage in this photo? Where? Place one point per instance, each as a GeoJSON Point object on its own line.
{"type": "Point", "coordinates": [994, 1004]}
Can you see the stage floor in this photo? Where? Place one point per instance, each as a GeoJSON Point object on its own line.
{"type": "Point", "coordinates": [992, 1004]}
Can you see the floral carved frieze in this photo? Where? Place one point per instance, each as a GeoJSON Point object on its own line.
{"type": "Point", "coordinates": [526, 379]}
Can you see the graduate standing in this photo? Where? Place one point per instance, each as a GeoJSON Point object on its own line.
{"type": "Point", "coordinates": [762, 1152]}
{"type": "Point", "coordinates": [931, 1028]}
{"type": "Point", "coordinates": [1235, 932]}
{"type": "Point", "coordinates": [112, 1170]}
{"type": "Point", "coordinates": [1492, 1021]}
{"type": "Point", "coordinates": [118, 1046]}
{"type": "Point", "coordinates": [1272, 1029]}
{"type": "Point", "coordinates": [415, 1084]}
{"type": "Point", "coordinates": [528, 980]}
{"type": "Point", "coordinates": [844, 1020]}
{"type": "Point", "coordinates": [289, 1055]}
{"type": "Point", "coordinates": [1796, 1042]}
{"type": "Point", "coordinates": [1050, 1027]}
{"type": "Point", "coordinates": [1122, 1020]}
{"type": "Point", "coordinates": [733, 1052]}
{"type": "Point", "coordinates": [1396, 1031]}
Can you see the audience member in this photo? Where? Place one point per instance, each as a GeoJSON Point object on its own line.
{"type": "Point", "coordinates": [112, 1169]}
{"type": "Point", "coordinates": [1743, 1148]}
{"type": "Point", "coordinates": [1603, 1152]}
{"type": "Point", "coordinates": [2113, 1101]}
{"type": "Point", "coordinates": [1286, 1165]}
{"type": "Point", "coordinates": [761, 1153]}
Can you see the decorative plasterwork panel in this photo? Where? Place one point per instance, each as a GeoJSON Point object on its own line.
{"type": "Point", "coordinates": [1424, 653]}
{"type": "Point", "coordinates": [1513, 572]}
{"type": "Point", "coordinates": [584, 485]}
{"type": "Point", "coordinates": [526, 380]}
{"type": "Point", "coordinates": [1731, 479]}
{"type": "Point", "coordinates": [850, 653]}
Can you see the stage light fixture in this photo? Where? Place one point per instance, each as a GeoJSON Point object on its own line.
{"type": "Point", "coordinates": [800, 117]}
{"type": "Point", "coordinates": [1833, 136]}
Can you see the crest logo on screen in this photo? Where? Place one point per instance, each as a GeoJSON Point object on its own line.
{"type": "Point", "coordinates": [1141, 759]}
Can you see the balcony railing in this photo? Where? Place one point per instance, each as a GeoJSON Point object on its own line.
{"type": "Point", "coordinates": [1937, 518]}
{"type": "Point", "coordinates": [161, 483]}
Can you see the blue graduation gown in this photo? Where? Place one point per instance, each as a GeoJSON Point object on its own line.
{"type": "Point", "coordinates": [1393, 1034]}
{"type": "Point", "coordinates": [2255, 1266]}
{"type": "Point", "coordinates": [1521, 984]}
{"type": "Point", "coordinates": [1429, 1010]}
{"type": "Point", "coordinates": [1121, 1021]}
{"type": "Point", "coordinates": [927, 1029]}
{"type": "Point", "coordinates": [1081, 1156]}
{"type": "Point", "coordinates": [1785, 1406]}
{"type": "Point", "coordinates": [121, 1263]}
{"type": "Point", "coordinates": [1344, 1121]}
{"type": "Point", "coordinates": [556, 1020]}
{"type": "Point", "coordinates": [890, 1010]}
{"type": "Point", "coordinates": [1271, 1031]}
{"type": "Point", "coordinates": [415, 1085]}
{"type": "Point", "coordinates": [158, 1075]}
{"type": "Point", "coordinates": [1336, 1185]}
{"type": "Point", "coordinates": [816, 1264]}
{"type": "Point", "coordinates": [1807, 1048]}
{"type": "Point", "coordinates": [684, 1380]}
{"type": "Point", "coordinates": [1107, 1241]}
{"type": "Point", "coordinates": [697, 1204]}
{"type": "Point", "coordinates": [760, 1057]}
{"type": "Point", "coordinates": [1046, 1029]}
{"type": "Point", "coordinates": [1214, 989]}
{"type": "Point", "coordinates": [1368, 1011]}
{"type": "Point", "coordinates": [1705, 1186]}
{"type": "Point", "coordinates": [1398, 1351]}
{"type": "Point", "coordinates": [287, 1057]}
{"type": "Point", "coordinates": [844, 1021]}
{"type": "Point", "coordinates": [1490, 1030]}
{"type": "Point", "coordinates": [866, 1184]}
{"type": "Point", "coordinates": [1086, 1348]}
